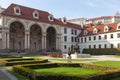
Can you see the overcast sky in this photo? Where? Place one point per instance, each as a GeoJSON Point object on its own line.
{"type": "Point", "coordinates": [70, 8]}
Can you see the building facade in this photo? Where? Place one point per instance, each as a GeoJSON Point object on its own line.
{"type": "Point", "coordinates": [100, 37]}
{"type": "Point", "coordinates": [97, 20]}
{"type": "Point", "coordinates": [27, 29]}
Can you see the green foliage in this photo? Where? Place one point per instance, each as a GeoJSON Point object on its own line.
{"type": "Point", "coordinates": [106, 74]}
{"type": "Point", "coordinates": [105, 51]}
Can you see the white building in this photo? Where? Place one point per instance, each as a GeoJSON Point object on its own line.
{"type": "Point", "coordinates": [27, 29]}
{"type": "Point", "coordinates": [99, 37]}
{"type": "Point", "coordinates": [97, 20]}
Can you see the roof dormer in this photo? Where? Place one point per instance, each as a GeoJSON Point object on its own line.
{"type": "Point", "coordinates": [50, 17]}
{"type": "Point", "coordinates": [106, 29]}
{"type": "Point", "coordinates": [95, 31]}
{"type": "Point", "coordinates": [118, 26]}
{"type": "Point", "coordinates": [35, 14]}
{"type": "Point", "coordinates": [64, 20]}
{"type": "Point", "coordinates": [85, 32]}
{"type": "Point", "coordinates": [17, 10]}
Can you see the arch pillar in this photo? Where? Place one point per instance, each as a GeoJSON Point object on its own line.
{"type": "Point", "coordinates": [27, 40]}
{"type": "Point", "coordinates": [5, 38]}
{"type": "Point", "coordinates": [58, 42]}
{"type": "Point", "coordinates": [44, 42]}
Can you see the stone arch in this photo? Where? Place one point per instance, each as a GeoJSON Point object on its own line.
{"type": "Point", "coordinates": [17, 36]}
{"type": "Point", "coordinates": [33, 23]}
{"type": "Point", "coordinates": [51, 39]}
{"type": "Point", "coordinates": [16, 20]}
{"type": "Point", "coordinates": [35, 37]}
{"type": "Point", "coordinates": [56, 29]}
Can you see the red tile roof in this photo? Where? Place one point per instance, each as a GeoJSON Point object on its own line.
{"type": "Point", "coordinates": [26, 13]}
{"type": "Point", "coordinates": [1, 9]}
{"type": "Point", "coordinates": [112, 28]}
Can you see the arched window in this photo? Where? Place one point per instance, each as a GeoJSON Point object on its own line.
{"type": "Point", "coordinates": [118, 26]}
{"type": "Point", "coordinates": [85, 32]}
{"type": "Point", "coordinates": [64, 20]}
{"type": "Point", "coordinates": [95, 31]}
{"type": "Point", "coordinates": [17, 10]}
{"type": "Point", "coordinates": [50, 17]}
{"type": "Point", "coordinates": [106, 29]}
{"type": "Point", "coordinates": [35, 14]}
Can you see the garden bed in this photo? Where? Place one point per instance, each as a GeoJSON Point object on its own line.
{"type": "Point", "coordinates": [67, 71]}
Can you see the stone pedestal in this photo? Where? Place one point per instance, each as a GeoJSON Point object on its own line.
{"type": "Point", "coordinates": [69, 59]}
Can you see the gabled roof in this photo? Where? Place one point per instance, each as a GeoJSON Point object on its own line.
{"type": "Point", "coordinates": [26, 13]}
{"type": "Point", "coordinates": [112, 28]}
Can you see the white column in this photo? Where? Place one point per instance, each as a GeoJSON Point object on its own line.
{"type": "Point", "coordinates": [43, 42]}
{"type": "Point", "coordinates": [4, 44]}
{"type": "Point", "coordinates": [8, 41]}
{"type": "Point", "coordinates": [57, 43]}
{"type": "Point", "coordinates": [28, 41]}
{"type": "Point", "coordinates": [25, 41]}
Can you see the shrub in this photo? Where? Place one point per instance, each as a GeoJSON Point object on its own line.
{"type": "Point", "coordinates": [107, 51]}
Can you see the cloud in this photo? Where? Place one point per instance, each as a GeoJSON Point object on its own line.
{"type": "Point", "coordinates": [91, 4]}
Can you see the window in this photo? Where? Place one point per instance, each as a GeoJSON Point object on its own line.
{"type": "Point", "coordinates": [89, 38]}
{"type": "Point", "coordinates": [118, 26]}
{"type": "Point", "coordinates": [89, 46]}
{"type": "Point", "coordinates": [118, 45]}
{"type": "Point", "coordinates": [99, 46]}
{"type": "Point", "coordinates": [75, 39]}
{"type": "Point", "coordinates": [85, 32]}
{"type": "Point", "coordinates": [65, 30]}
{"type": "Point", "coordinates": [35, 14]}
{"type": "Point", "coordinates": [94, 46]}
{"type": "Point", "coordinates": [78, 40]}
{"type": "Point", "coordinates": [65, 38]}
{"type": "Point", "coordinates": [64, 20]}
{"type": "Point", "coordinates": [99, 37]}
{"type": "Point", "coordinates": [81, 40]}
{"type": "Point", "coordinates": [75, 32]}
{"type": "Point", "coordinates": [118, 35]}
{"type": "Point", "coordinates": [105, 36]}
{"type": "Point", "coordinates": [112, 46]}
{"type": "Point", "coordinates": [106, 29]}
{"type": "Point", "coordinates": [72, 31]}
{"type": "Point", "coordinates": [17, 10]}
{"type": "Point", "coordinates": [50, 17]}
{"type": "Point", "coordinates": [65, 47]}
{"type": "Point", "coordinates": [85, 39]}
{"type": "Point", "coordinates": [111, 36]}
{"type": "Point", "coordinates": [95, 31]}
{"type": "Point", "coordinates": [94, 37]}
{"type": "Point", "coordinates": [72, 39]}
{"type": "Point", "coordinates": [105, 45]}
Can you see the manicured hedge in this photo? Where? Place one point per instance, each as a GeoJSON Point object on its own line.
{"type": "Point", "coordinates": [9, 56]}
{"type": "Point", "coordinates": [26, 70]}
{"type": "Point", "coordinates": [105, 51]}
{"type": "Point", "coordinates": [24, 62]}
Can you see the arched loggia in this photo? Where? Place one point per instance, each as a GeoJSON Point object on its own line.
{"type": "Point", "coordinates": [51, 39]}
{"type": "Point", "coordinates": [17, 36]}
{"type": "Point", "coordinates": [35, 38]}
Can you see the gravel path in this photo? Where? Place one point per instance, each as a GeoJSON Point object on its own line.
{"type": "Point", "coordinates": [4, 75]}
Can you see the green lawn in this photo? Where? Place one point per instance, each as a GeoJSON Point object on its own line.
{"type": "Point", "coordinates": [66, 71]}
{"type": "Point", "coordinates": [108, 63]}
{"type": "Point", "coordinates": [63, 59]}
